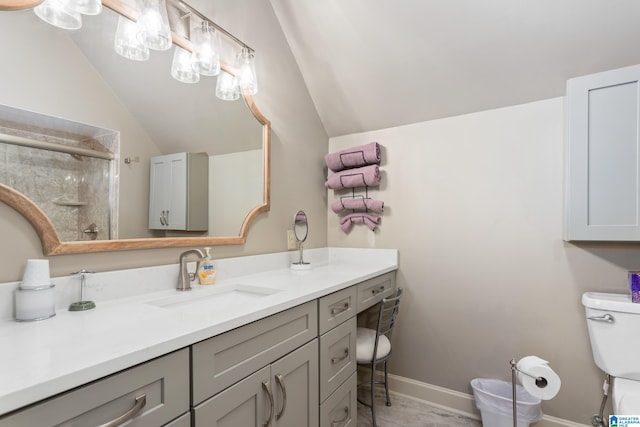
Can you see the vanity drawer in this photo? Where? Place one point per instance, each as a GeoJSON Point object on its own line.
{"type": "Point", "coordinates": [337, 357]}
{"type": "Point", "coordinates": [340, 409]}
{"type": "Point", "coordinates": [227, 358]}
{"type": "Point", "coordinates": [183, 421]}
{"type": "Point", "coordinates": [164, 382]}
{"type": "Point", "coordinates": [335, 308]}
{"type": "Point", "coordinates": [371, 291]}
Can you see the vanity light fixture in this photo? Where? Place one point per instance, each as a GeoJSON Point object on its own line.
{"type": "Point", "coordinates": [152, 30]}
{"type": "Point", "coordinates": [153, 23]}
{"type": "Point", "coordinates": [181, 67]}
{"type": "Point", "coordinates": [126, 41]}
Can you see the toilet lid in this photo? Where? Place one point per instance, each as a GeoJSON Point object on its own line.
{"type": "Point", "coordinates": [626, 396]}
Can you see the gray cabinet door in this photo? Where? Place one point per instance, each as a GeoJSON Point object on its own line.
{"type": "Point", "coordinates": [283, 394]}
{"type": "Point", "coordinates": [245, 404]}
{"type": "Point", "coordinates": [294, 380]}
{"type": "Point", "coordinates": [603, 148]}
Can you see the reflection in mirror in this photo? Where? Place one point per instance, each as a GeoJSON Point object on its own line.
{"type": "Point", "coordinates": [77, 76]}
{"type": "Point", "coordinates": [301, 231]}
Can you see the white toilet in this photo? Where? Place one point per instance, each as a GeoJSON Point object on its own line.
{"type": "Point", "coordinates": [613, 322]}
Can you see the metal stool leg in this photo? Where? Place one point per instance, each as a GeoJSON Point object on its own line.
{"type": "Point", "coordinates": [373, 398]}
{"type": "Point", "coordinates": [386, 383]}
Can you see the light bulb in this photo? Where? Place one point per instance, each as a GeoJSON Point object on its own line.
{"type": "Point", "coordinates": [247, 79]}
{"type": "Point", "coordinates": [59, 14]}
{"type": "Point", "coordinates": [86, 7]}
{"type": "Point", "coordinates": [227, 87]}
{"type": "Point", "coordinates": [181, 68]}
{"type": "Point", "coordinates": [206, 47]}
{"type": "Point", "coordinates": [153, 24]}
{"type": "Point", "coordinates": [126, 42]}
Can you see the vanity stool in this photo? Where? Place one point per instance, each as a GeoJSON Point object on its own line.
{"type": "Point", "coordinates": [373, 346]}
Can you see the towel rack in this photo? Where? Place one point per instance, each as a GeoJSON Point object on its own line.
{"type": "Point", "coordinates": [357, 191]}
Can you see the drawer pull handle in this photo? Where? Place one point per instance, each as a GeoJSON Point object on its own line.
{"type": "Point", "coordinates": [339, 310]}
{"type": "Point", "coordinates": [377, 291]}
{"type": "Point", "coordinates": [335, 360]}
{"type": "Point", "coordinates": [271, 404]}
{"type": "Point", "coordinates": [343, 419]}
{"type": "Point", "coordinates": [137, 407]}
{"type": "Point", "coordinates": [280, 381]}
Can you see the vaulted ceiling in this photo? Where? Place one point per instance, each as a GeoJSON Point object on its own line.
{"type": "Point", "coordinates": [372, 64]}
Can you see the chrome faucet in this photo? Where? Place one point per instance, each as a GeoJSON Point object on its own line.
{"type": "Point", "coordinates": [184, 281]}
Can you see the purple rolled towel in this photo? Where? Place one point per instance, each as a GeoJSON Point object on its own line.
{"type": "Point", "coordinates": [360, 177]}
{"type": "Point", "coordinates": [357, 203]}
{"type": "Point", "coordinates": [368, 154]}
{"type": "Point", "coordinates": [370, 220]}
{"type": "Point", "coordinates": [361, 217]}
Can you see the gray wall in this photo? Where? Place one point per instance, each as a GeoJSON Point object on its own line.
{"type": "Point", "coordinates": [474, 204]}
{"type": "Point", "coordinates": [298, 146]}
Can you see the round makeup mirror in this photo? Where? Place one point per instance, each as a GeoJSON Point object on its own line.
{"type": "Point", "coordinates": [301, 231]}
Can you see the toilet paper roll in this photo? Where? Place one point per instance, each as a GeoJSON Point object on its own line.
{"type": "Point", "coordinates": [36, 273]}
{"type": "Point", "coordinates": [536, 367]}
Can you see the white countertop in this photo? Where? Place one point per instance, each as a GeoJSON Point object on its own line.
{"type": "Point", "coordinates": [41, 359]}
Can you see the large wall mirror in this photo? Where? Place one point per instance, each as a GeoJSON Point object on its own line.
{"type": "Point", "coordinates": [76, 78]}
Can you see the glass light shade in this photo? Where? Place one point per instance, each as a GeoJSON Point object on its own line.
{"type": "Point", "coordinates": [59, 14]}
{"type": "Point", "coordinates": [227, 87]}
{"type": "Point", "coordinates": [153, 24]}
{"type": "Point", "coordinates": [126, 42]}
{"type": "Point", "coordinates": [247, 75]}
{"type": "Point", "coordinates": [181, 68]}
{"type": "Point", "coordinates": [86, 7]}
{"type": "Point", "coordinates": [206, 47]}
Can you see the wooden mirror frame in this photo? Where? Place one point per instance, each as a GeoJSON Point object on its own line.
{"type": "Point", "coordinates": [51, 244]}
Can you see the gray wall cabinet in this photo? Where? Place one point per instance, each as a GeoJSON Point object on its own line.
{"type": "Point", "coordinates": [179, 192]}
{"type": "Point", "coordinates": [603, 157]}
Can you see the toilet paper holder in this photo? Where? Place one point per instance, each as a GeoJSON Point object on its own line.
{"type": "Point", "coordinates": [540, 382]}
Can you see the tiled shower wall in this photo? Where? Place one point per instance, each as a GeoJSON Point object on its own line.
{"type": "Point", "coordinates": [73, 191]}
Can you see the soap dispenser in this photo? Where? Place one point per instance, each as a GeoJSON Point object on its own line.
{"type": "Point", "coordinates": [207, 271]}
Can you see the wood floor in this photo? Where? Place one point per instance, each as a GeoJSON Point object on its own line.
{"type": "Point", "coordinates": [407, 412]}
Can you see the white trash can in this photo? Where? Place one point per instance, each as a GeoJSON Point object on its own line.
{"type": "Point", "coordinates": [494, 399]}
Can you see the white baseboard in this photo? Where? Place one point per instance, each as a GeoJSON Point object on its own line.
{"type": "Point", "coordinates": [455, 401]}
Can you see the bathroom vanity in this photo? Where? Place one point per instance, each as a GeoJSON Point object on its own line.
{"type": "Point", "coordinates": [273, 347]}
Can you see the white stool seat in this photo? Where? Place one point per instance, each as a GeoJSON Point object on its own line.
{"type": "Point", "coordinates": [365, 341]}
{"type": "Point", "coordinates": [625, 396]}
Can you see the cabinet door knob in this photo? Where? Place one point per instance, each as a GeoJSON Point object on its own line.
{"type": "Point", "coordinates": [280, 381]}
{"type": "Point", "coordinates": [271, 403]}
{"type": "Point", "coordinates": [137, 407]}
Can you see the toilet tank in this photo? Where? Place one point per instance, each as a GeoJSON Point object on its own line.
{"type": "Point", "coordinates": [613, 322]}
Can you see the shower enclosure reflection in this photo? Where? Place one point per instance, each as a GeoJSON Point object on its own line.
{"type": "Point", "coordinates": [72, 190]}
{"type": "Point", "coordinates": [70, 176]}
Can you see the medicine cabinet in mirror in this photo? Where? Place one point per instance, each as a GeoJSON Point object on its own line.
{"type": "Point", "coordinates": [71, 88]}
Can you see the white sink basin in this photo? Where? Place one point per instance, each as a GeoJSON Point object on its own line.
{"type": "Point", "coordinates": [214, 299]}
